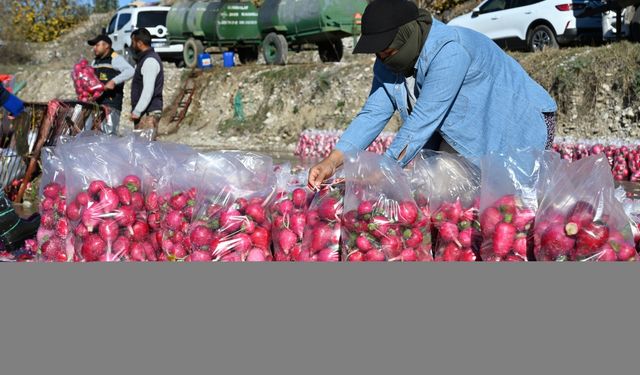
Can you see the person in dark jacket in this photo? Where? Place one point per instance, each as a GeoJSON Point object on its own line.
{"type": "Point", "coordinates": [113, 71]}
{"type": "Point", "coordinates": [148, 83]}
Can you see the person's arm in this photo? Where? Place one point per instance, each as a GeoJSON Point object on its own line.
{"type": "Point", "coordinates": [150, 71]}
{"type": "Point", "coordinates": [126, 70]}
{"type": "Point", "coordinates": [362, 131]}
{"type": "Point", "coordinates": [442, 84]}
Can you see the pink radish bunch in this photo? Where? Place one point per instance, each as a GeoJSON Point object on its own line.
{"type": "Point", "coordinates": [110, 223]}
{"type": "Point", "coordinates": [319, 143]}
{"type": "Point", "coordinates": [237, 232]}
{"type": "Point", "coordinates": [289, 219]}
{"type": "Point", "coordinates": [392, 231]}
{"type": "Point", "coordinates": [321, 237]}
{"type": "Point", "coordinates": [456, 231]}
{"type": "Point", "coordinates": [506, 226]}
{"type": "Point", "coordinates": [55, 242]}
{"type": "Point", "coordinates": [624, 160]}
{"type": "Point", "coordinates": [88, 87]}
{"type": "Point", "coordinates": [170, 216]}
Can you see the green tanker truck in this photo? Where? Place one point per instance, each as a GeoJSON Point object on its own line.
{"type": "Point", "coordinates": [273, 26]}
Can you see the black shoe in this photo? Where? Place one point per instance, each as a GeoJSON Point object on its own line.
{"type": "Point", "coordinates": [14, 237]}
{"type": "Point", "coordinates": [8, 216]}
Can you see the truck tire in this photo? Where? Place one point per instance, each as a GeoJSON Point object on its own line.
{"type": "Point", "coordinates": [541, 37]}
{"type": "Point", "coordinates": [275, 49]}
{"type": "Point", "coordinates": [192, 48]}
{"type": "Point", "coordinates": [248, 54]}
{"type": "Point", "coordinates": [634, 27]}
{"type": "Point", "coordinates": [331, 51]}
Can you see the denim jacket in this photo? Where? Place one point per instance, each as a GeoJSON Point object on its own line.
{"type": "Point", "coordinates": [478, 98]}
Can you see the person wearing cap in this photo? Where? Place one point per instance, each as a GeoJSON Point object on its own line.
{"type": "Point", "coordinates": [454, 88]}
{"type": "Point", "coordinates": [113, 71]}
{"type": "Point", "coordinates": [147, 85]}
{"type": "Point", "coordinates": [10, 102]}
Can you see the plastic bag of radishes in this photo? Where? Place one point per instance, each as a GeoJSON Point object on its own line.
{"type": "Point", "coordinates": [452, 185]}
{"type": "Point", "coordinates": [106, 205]}
{"type": "Point", "coordinates": [88, 87]}
{"type": "Point", "coordinates": [382, 221]}
{"type": "Point", "coordinates": [54, 242]}
{"type": "Point", "coordinates": [288, 213]}
{"type": "Point", "coordinates": [232, 224]}
{"type": "Point", "coordinates": [509, 202]}
{"type": "Point", "coordinates": [580, 219]}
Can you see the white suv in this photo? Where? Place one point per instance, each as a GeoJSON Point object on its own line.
{"type": "Point", "coordinates": [532, 24]}
{"type": "Point", "coordinates": [154, 19]}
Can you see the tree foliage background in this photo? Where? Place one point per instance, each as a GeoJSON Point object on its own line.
{"type": "Point", "coordinates": [43, 20]}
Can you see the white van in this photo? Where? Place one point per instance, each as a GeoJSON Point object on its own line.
{"type": "Point", "coordinates": [154, 19]}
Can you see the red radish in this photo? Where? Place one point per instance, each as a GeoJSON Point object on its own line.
{"type": "Point", "coordinates": [278, 222]}
{"type": "Point", "coordinates": [137, 201]}
{"type": "Point", "coordinates": [520, 246]}
{"type": "Point", "coordinates": [413, 237]}
{"type": "Point", "coordinates": [555, 242]}
{"type": "Point", "coordinates": [133, 183]}
{"type": "Point", "coordinates": [320, 237]}
{"type": "Point", "coordinates": [408, 255]}
{"type": "Point", "coordinates": [607, 254]}
{"type": "Point", "coordinates": [407, 213]}
{"type": "Point", "coordinates": [328, 209]}
{"type": "Point", "coordinates": [363, 243]}
{"type": "Point", "coordinates": [256, 255]}
{"type": "Point", "coordinates": [295, 252]}
{"type": "Point", "coordinates": [328, 255]}
{"type": "Point", "coordinates": [154, 220]}
{"type": "Point", "coordinates": [365, 208]}
{"type": "Point", "coordinates": [392, 246]}
{"type": "Point", "coordinates": [242, 203]}
{"type": "Point", "coordinates": [140, 231]}
{"type": "Point", "coordinates": [231, 221]}
{"type": "Point", "coordinates": [260, 238]}
{"type": "Point", "coordinates": [257, 213]}
{"type": "Point", "coordinates": [379, 226]}
{"type": "Point", "coordinates": [375, 256]}
{"type": "Point", "coordinates": [356, 257]}
{"type": "Point", "coordinates": [108, 200]}
{"type": "Point", "coordinates": [299, 197]}
{"type": "Point", "coordinates": [297, 223]}
{"type": "Point", "coordinates": [47, 204]}
{"type": "Point", "coordinates": [523, 219]}
{"type": "Point", "coordinates": [83, 199]}
{"type": "Point", "coordinates": [137, 252]}
{"type": "Point", "coordinates": [287, 240]}
{"type": "Point", "coordinates": [248, 226]}
{"type": "Point", "coordinates": [74, 211]}
{"type": "Point", "coordinates": [284, 208]}
{"type": "Point", "coordinates": [81, 231]}
{"type": "Point", "coordinates": [152, 203]}
{"type": "Point", "coordinates": [466, 238]}
{"type": "Point", "coordinates": [503, 239]}
{"type": "Point", "coordinates": [625, 252]}
{"type": "Point", "coordinates": [120, 246]}
{"type": "Point", "coordinates": [468, 255]}
{"type": "Point", "coordinates": [174, 220]}
{"type": "Point", "coordinates": [93, 247]}
{"type": "Point", "coordinates": [313, 218]}
{"type": "Point", "coordinates": [449, 232]}
{"type": "Point", "coordinates": [47, 220]}
{"type": "Point", "coordinates": [150, 253]}
{"type": "Point", "coordinates": [350, 221]}
{"type": "Point", "coordinates": [507, 204]}
{"type": "Point", "coordinates": [178, 201]}
{"type": "Point", "coordinates": [581, 215]}
{"type": "Point", "coordinates": [451, 253]}
{"type": "Point", "coordinates": [513, 259]}
{"type": "Point", "coordinates": [91, 217]}
{"type": "Point", "coordinates": [489, 220]}
{"type": "Point", "coordinates": [52, 191]}
{"type": "Point", "coordinates": [201, 236]}
{"type": "Point", "coordinates": [51, 248]}
{"type": "Point", "coordinates": [242, 243]}
{"type": "Point", "coordinates": [592, 236]}
{"type": "Point", "coordinates": [108, 230]}
{"type": "Point", "coordinates": [179, 251]}
{"type": "Point", "coordinates": [306, 256]}
{"type": "Point", "coordinates": [124, 195]}
{"type": "Point", "coordinates": [95, 187]}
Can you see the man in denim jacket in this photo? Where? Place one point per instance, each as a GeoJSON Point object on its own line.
{"type": "Point", "coordinates": [454, 88]}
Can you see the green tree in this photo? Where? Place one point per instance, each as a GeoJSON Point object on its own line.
{"type": "Point", "coordinates": [44, 20]}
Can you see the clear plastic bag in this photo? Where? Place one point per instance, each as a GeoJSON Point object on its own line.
{"type": "Point", "coordinates": [508, 204]}
{"type": "Point", "coordinates": [232, 224]}
{"type": "Point", "coordinates": [105, 204]}
{"type": "Point", "coordinates": [88, 86]}
{"type": "Point", "coordinates": [321, 238]}
{"type": "Point", "coordinates": [580, 218]}
{"type": "Point", "coordinates": [382, 221]}
{"type": "Point", "coordinates": [451, 186]}
{"type": "Point", "coordinates": [288, 213]}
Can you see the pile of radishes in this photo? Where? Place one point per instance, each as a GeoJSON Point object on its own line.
{"type": "Point", "coordinates": [289, 219]}
{"type": "Point", "coordinates": [323, 225]}
{"type": "Point", "coordinates": [623, 159]}
{"type": "Point", "coordinates": [54, 235]}
{"type": "Point", "coordinates": [88, 87]}
{"type": "Point", "coordinates": [319, 143]}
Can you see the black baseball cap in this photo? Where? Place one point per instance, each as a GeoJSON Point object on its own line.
{"type": "Point", "coordinates": [381, 21]}
{"type": "Point", "coordinates": [100, 38]}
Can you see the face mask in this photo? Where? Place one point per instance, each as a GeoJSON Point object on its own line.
{"type": "Point", "coordinates": [409, 42]}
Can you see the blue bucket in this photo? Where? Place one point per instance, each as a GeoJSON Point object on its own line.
{"type": "Point", "coordinates": [204, 61]}
{"type": "Point", "coordinates": [227, 59]}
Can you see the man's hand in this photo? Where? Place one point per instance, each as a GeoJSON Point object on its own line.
{"type": "Point", "coordinates": [325, 169]}
{"type": "Point", "coordinates": [134, 117]}
{"type": "Point", "coordinates": [110, 85]}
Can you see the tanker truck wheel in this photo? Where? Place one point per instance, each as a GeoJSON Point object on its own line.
{"type": "Point", "coordinates": [331, 51]}
{"type": "Point", "coordinates": [275, 49]}
{"type": "Point", "coordinates": [248, 54]}
{"type": "Point", "coordinates": [192, 48]}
